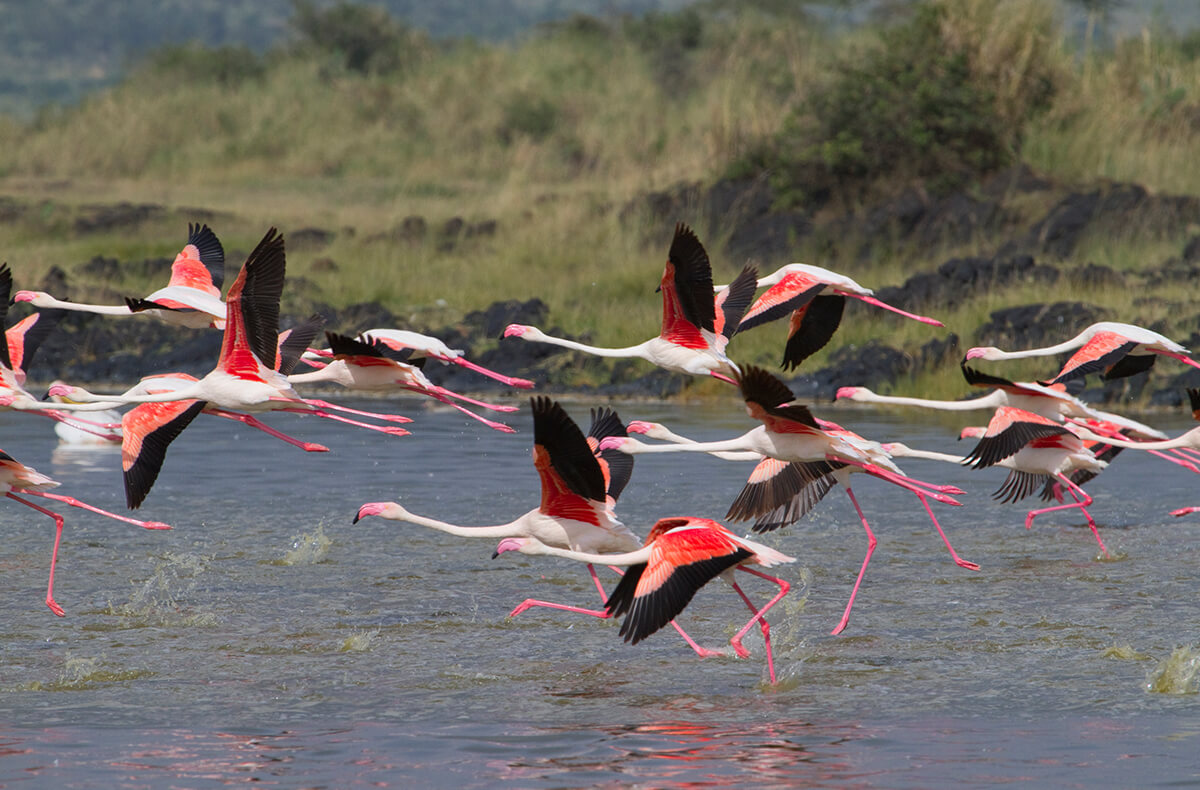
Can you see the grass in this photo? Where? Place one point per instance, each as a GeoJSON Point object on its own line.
{"type": "Point", "coordinates": [552, 139]}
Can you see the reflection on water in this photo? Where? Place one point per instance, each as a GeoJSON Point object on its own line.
{"type": "Point", "coordinates": [267, 638]}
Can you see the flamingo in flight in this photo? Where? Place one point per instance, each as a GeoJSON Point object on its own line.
{"type": "Point", "coordinates": [17, 477]}
{"type": "Point", "coordinates": [679, 557]}
{"type": "Point", "coordinates": [695, 330]}
{"type": "Point", "coordinates": [374, 366]}
{"type": "Point", "coordinates": [1117, 349]}
{"type": "Point", "coordinates": [247, 377]}
{"type": "Point", "coordinates": [192, 298]}
{"type": "Point", "coordinates": [800, 458]}
{"type": "Point", "coordinates": [815, 299]}
{"type": "Point", "coordinates": [580, 484]}
{"type": "Point", "coordinates": [1039, 449]}
{"type": "Point", "coordinates": [421, 347]}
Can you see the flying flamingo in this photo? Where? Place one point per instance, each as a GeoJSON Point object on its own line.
{"type": "Point", "coordinates": [74, 433]}
{"type": "Point", "coordinates": [1118, 349]}
{"type": "Point", "coordinates": [16, 476]}
{"type": "Point", "coordinates": [1039, 448]}
{"type": "Point", "coordinates": [800, 461]}
{"type": "Point", "coordinates": [695, 331]}
{"type": "Point", "coordinates": [374, 366]}
{"type": "Point", "coordinates": [815, 297]}
{"type": "Point", "coordinates": [679, 557]}
{"type": "Point", "coordinates": [247, 376]}
{"type": "Point", "coordinates": [192, 298]}
{"type": "Point", "coordinates": [579, 487]}
{"type": "Point", "coordinates": [422, 347]}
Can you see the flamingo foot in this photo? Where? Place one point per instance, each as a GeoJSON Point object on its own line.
{"type": "Point", "coordinates": [740, 649]}
{"type": "Point", "coordinates": [54, 607]}
{"type": "Point", "coordinates": [155, 525]}
{"type": "Point", "coordinates": [960, 562]}
{"type": "Point", "coordinates": [313, 447]}
{"type": "Point", "coordinates": [1183, 511]}
{"type": "Point", "coordinates": [391, 431]}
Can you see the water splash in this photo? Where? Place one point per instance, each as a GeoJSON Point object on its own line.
{"type": "Point", "coordinates": [1177, 674]}
{"type": "Point", "coordinates": [81, 674]}
{"type": "Point", "coordinates": [1123, 653]}
{"type": "Point", "coordinates": [359, 641]}
{"type": "Point", "coordinates": [307, 549]}
{"type": "Point", "coordinates": [159, 599]}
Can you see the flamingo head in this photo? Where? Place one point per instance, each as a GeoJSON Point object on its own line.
{"type": "Point", "coordinates": [982, 352]}
{"type": "Point", "coordinates": [847, 392]}
{"type": "Point", "coordinates": [510, 544]}
{"type": "Point", "coordinates": [60, 390]}
{"type": "Point", "coordinates": [614, 442]}
{"type": "Point", "coordinates": [516, 330]}
{"type": "Point", "coordinates": [972, 432]}
{"type": "Point", "coordinates": [27, 296]}
{"type": "Point", "coordinates": [894, 448]}
{"type": "Point", "coordinates": [643, 427]}
{"type": "Point", "coordinates": [385, 509]}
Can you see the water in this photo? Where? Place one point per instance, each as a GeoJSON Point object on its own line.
{"type": "Point", "coordinates": [268, 639]}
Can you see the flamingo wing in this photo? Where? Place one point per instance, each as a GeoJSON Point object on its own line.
{"type": "Point", "coordinates": [252, 319]}
{"type": "Point", "coordinates": [616, 465]}
{"type": "Point", "coordinates": [731, 303]}
{"type": "Point", "coordinates": [292, 343]}
{"type": "Point", "coordinates": [1104, 351]}
{"type": "Point", "coordinates": [25, 337]}
{"type": "Point", "coordinates": [791, 487]}
{"type": "Point", "coordinates": [768, 399]}
{"type": "Point", "coordinates": [201, 262]}
{"type": "Point", "coordinates": [1009, 430]}
{"type": "Point", "coordinates": [146, 432]}
{"type": "Point", "coordinates": [1019, 485]}
{"type": "Point", "coordinates": [686, 553]}
{"type": "Point", "coordinates": [572, 481]}
{"type": "Point", "coordinates": [6, 282]}
{"type": "Point", "coordinates": [687, 292]}
{"type": "Point", "coordinates": [791, 293]}
{"type": "Point", "coordinates": [1194, 400]}
{"type": "Point", "coordinates": [978, 378]}
{"type": "Point", "coordinates": [811, 328]}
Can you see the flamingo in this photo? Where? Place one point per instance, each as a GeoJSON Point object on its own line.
{"type": "Point", "coordinates": [800, 459]}
{"type": "Point", "coordinates": [679, 557]}
{"type": "Point", "coordinates": [1118, 349]}
{"type": "Point", "coordinates": [815, 297]}
{"type": "Point", "coordinates": [1039, 448]}
{"type": "Point", "coordinates": [192, 298]}
{"type": "Point", "coordinates": [695, 331]}
{"type": "Point", "coordinates": [374, 366]}
{"type": "Point", "coordinates": [422, 347]}
{"type": "Point", "coordinates": [579, 487]}
{"type": "Point", "coordinates": [16, 476]}
{"type": "Point", "coordinates": [246, 377]}
{"type": "Point", "coordinates": [77, 433]}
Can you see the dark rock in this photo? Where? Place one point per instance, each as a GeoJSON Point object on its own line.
{"type": "Point", "coordinates": [937, 352]}
{"type": "Point", "coordinates": [1037, 325]}
{"type": "Point", "coordinates": [325, 266]}
{"type": "Point", "coordinates": [102, 268]}
{"type": "Point", "coordinates": [1018, 179]}
{"type": "Point", "coordinates": [959, 278]}
{"type": "Point", "coordinates": [1191, 252]}
{"type": "Point", "coordinates": [1116, 205]}
{"type": "Point", "coordinates": [492, 320]}
{"type": "Point", "coordinates": [97, 218]}
{"type": "Point", "coordinates": [485, 229]}
{"type": "Point", "coordinates": [55, 283]}
{"type": "Point", "coordinates": [1095, 276]}
{"type": "Point", "coordinates": [356, 318]}
{"type": "Point", "coordinates": [868, 365]}
{"type": "Point", "coordinates": [309, 239]}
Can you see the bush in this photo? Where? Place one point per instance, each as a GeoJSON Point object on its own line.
{"type": "Point", "coordinates": [196, 63]}
{"type": "Point", "coordinates": [916, 106]}
{"type": "Point", "coordinates": [366, 39]}
{"type": "Point", "coordinates": [529, 115]}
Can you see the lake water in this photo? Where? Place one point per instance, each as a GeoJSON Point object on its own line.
{"type": "Point", "coordinates": [268, 639]}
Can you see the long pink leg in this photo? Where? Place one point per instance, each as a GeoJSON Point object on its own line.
{"type": "Point", "coordinates": [388, 429]}
{"type": "Point", "coordinates": [58, 528]}
{"type": "Point", "coordinates": [924, 319]}
{"type": "Point", "coordinates": [254, 422]}
{"type": "Point", "coordinates": [760, 616]}
{"type": "Point", "coordinates": [499, 426]}
{"type": "Point", "coordinates": [529, 603]}
{"type": "Point", "coordinates": [1181, 358]}
{"type": "Point", "coordinates": [511, 381]}
{"type": "Point", "coordinates": [1186, 452]}
{"type": "Point", "coordinates": [901, 481]}
{"type": "Point", "coordinates": [1186, 464]}
{"type": "Point", "coordinates": [73, 502]}
{"type": "Point", "coordinates": [959, 561]}
{"type": "Point", "coordinates": [72, 421]}
{"type": "Point", "coordinates": [449, 394]}
{"type": "Point", "coordinates": [1082, 500]}
{"type": "Point", "coordinates": [841, 626]}
{"type": "Point", "coordinates": [723, 377]}
{"type": "Point", "coordinates": [326, 405]}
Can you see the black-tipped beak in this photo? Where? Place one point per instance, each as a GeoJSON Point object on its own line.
{"type": "Point", "coordinates": [355, 521]}
{"type": "Point", "coordinates": [495, 554]}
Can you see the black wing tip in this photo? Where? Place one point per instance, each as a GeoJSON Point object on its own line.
{"type": "Point", "coordinates": [1194, 398]}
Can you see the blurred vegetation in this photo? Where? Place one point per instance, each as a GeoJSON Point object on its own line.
{"type": "Point", "coordinates": [359, 121]}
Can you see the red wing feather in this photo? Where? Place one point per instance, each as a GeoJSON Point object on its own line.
{"type": "Point", "coordinates": [1009, 430]}
{"type": "Point", "coordinates": [1103, 351]}
{"type": "Point", "coordinates": [147, 431]}
{"type": "Point", "coordinates": [793, 292]}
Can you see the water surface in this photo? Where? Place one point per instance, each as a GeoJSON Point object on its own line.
{"type": "Point", "coordinates": [268, 639]}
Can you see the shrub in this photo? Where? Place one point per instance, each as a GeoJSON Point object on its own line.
{"type": "Point", "coordinates": [530, 115]}
{"type": "Point", "coordinates": [226, 65]}
{"type": "Point", "coordinates": [366, 39]}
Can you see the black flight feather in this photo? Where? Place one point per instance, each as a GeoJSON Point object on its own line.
{"type": "Point", "coordinates": [818, 323]}
{"type": "Point", "coordinates": [143, 471]}
{"type": "Point", "coordinates": [570, 454]}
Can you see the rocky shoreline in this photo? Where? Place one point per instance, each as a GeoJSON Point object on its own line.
{"type": "Point", "coordinates": [95, 350]}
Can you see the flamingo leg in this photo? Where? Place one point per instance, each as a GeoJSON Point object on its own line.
{"type": "Point", "coordinates": [959, 561]}
{"type": "Point", "coordinates": [1186, 464]}
{"type": "Point", "coordinates": [901, 480]}
{"type": "Point", "coordinates": [474, 402]}
{"type": "Point", "coordinates": [841, 626]}
{"type": "Point", "coordinates": [438, 396]}
{"type": "Point", "coordinates": [1184, 359]}
{"type": "Point", "coordinates": [254, 422]}
{"type": "Point", "coordinates": [1183, 511]}
{"type": "Point", "coordinates": [75, 422]}
{"type": "Point", "coordinates": [924, 319]}
{"type": "Point", "coordinates": [760, 616]}
{"type": "Point", "coordinates": [327, 406]}
{"type": "Point", "coordinates": [1082, 500]}
{"type": "Point", "coordinates": [58, 528]}
{"type": "Point", "coordinates": [388, 429]}
{"type": "Point", "coordinates": [723, 377]}
{"type": "Point", "coordinates": [73, 502]}
{"type": "Point", "coordinates": [511, 381]}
